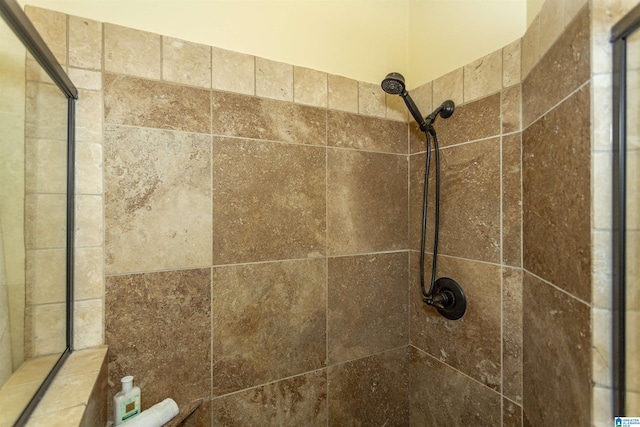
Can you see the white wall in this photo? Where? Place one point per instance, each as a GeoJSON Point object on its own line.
{"type": "Point", "coordinates": [360, 39]}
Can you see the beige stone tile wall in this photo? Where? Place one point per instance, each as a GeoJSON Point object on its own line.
{"type": "Point", "coordinates": [557, 244]}
{"type": "Point", "coordinates": [365, 214]}
{"type": "Point", "coordinates": [480, 247]}
{"type": "Point", "coordinates": [225, 205]}
{"type": "Point", "coordinates": [45, 198]}
{"type": "Point", "coordinates": [537, 61]}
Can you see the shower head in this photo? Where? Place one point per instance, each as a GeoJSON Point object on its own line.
{"type": "Point", "coordinates": [393, 84]}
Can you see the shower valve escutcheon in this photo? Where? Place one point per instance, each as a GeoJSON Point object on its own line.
{"type": "Point", "coordinates": [448, 298]}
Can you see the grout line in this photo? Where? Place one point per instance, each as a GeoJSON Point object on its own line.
{"type": "Point", "coordinates": [553, 107]}
{"type": "Point", "coordinates": [455, 369]}
{"type": "Point", "coordinates": [164, 270]}
{"type": "Point", "coordinates": [557, 288]}
{"type": "Point", "coordinates": [276, 381]}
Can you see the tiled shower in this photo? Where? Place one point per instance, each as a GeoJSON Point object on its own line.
{"type": "Point", "coordinates": [261, 232]}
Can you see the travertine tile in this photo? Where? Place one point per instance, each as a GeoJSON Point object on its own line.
{"type": "Point", "coordinates": [530, 47]}
{"type": "Point", "coordinates": [269, 322]}
{"type": "Point", "coordinates": [85, 43]}
{"type": "Point", "coordinates": [259, 118]}
{"type": "Point", "coordinates": [45, 221]}
{"type": "Point", "coordinates": [233, 71]}
{"type": "Point", "coordinates": [551, 23]}
{"type": "Point", "coordinates": [32, 370]}
{"type": "Point", "coordinates": [88, 221]}
{"type": "Point", "coordinates": [49, 322]}
{"type": "Point", "coordinates": [469, 122]}
{"type": "Point", "coordinates": [512, 200]}
{"type": "Point", "coordinates": [632, 300]}
{"type": "Point", "coordinates": [434, 384]}
{"type": "Point", "coordinates": [365, 133]}
{"type": "Point", "coordinates": [309, 87]}
{"type": "Point", "coordinates": [89, 273]}
{"type": "Point", "coordinates": [45, 165]}
{"type": "Point", "coordinates": [269, 201]}
{"type": "Point", "coordinates": [46, 112]}
{"type": "Point", "coordinates": [60, 418]}
{"type": "Point", "coordinates": [88, 168]}
{"type": "Point", "coordinates": [601, 173]}
{"type": "Point", "coordinates": [417, 141]}
{"type": "Point", "coordinates": [511, 105]}
{"type": "Point", "coordinates": [556, 217]}
{"type": "Point", "coordinates": [449, 86]}
{"type": "Point", "coordinates": [14, 400]}
{"type": "Point", "coordinates": [52, 27]}
{"type": "Point", "coordinates": [86, 79]}
{"type": "Point", "coordinates": [342, 93]}
{"type": "Point", "coordinates": [87, 360]}
{"type": "Point", "coordinates": [560, 71]}
{"type": "Point", "coordinates": [35, 72]}
{"type": "Point", "coordinates": [632, 218]}
{"type": "Point", "coordinates": [479, 328]}
{"type": "Point", "coordinates": [512, 333]}
{"type": "Point", "coordinates": [396, 108]}
{"type": "Point", "coordinates": [470, 201]}
{"type": "Point", "coordinates": [632, 343]}
{"type": "Point", "coordinates": [153, 178]}
{"type": "Point", "coordinates": [379, 321]}
{"type": "Point", "coordinates": [88, 321]}
{"type": "Point", "coordinates": [557, 344]}
{"type": "Point", "coordinates": [132, 52]}
{"type": "Point", "coordinates": [89, 116]}
{"type": "Point", "coordinates": [601, 341]}
{"type": "Point", "coordinates": [186, 63]}
{"type": "Point", "coordinates": [46, 276]}
{"type": "Point", "coordinates": [291, 402]}
{"type": "Point", "coordinates": [367, 210]}
{"type": "Point", "coordinates": [370, 391]}
{"type": "Point", "coordinates": [601, 406]}
{"type": "Point", "coordinates": [511, 63]}
{"type": "Point", "coordinates": [602, 270]}
{"type": "Point", "coordinates": [148, 314]}
{"type": "Point", "coordinates": [571, 9]}
{"type": "Point", "coordinates": [605, 14]}
{"type": "Point", "coordinates": [274, 79]}
{"type": "Point", "coordinates": [511, 414]}
{"type": "Point", "coordinates": [137, 102]}
{"type": "Point", "coordinates": [95, 413]}
{"type": "Point", "coordinates": [371, 100]}
{"type": "Point", "coordinates": [483, 76]}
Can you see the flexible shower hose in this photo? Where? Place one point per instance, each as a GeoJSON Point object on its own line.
{"type": "Point", "coordinates": [425, 201]}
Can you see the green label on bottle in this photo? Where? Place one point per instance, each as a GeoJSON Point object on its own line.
{"type": "Point", "coordinates": [130, 408]}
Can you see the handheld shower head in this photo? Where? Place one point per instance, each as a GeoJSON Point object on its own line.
{"type": "Point", "coordinates": [393, 84]}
